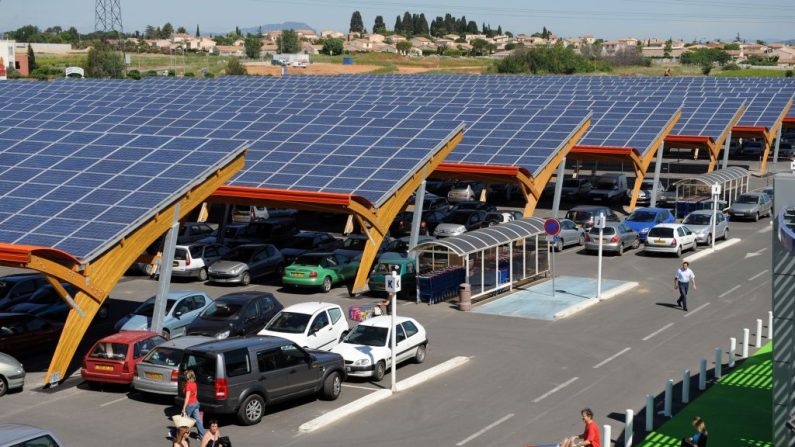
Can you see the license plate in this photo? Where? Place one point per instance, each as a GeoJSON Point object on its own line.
{"type": "Point", "coordinates": [103, 368]}
{"type": "Point", "coordinates": [605, 240]}
{"type": "Point", "coordinates": [659, 241]}
{"type": "Point", "coordinates": [175, 263]}
{"type": "Point", "coordinates": [298, 274]}
{"type": "Point", "coordinates": [153, 376]}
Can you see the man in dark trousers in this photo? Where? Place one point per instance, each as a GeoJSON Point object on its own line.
{"type": "Point", "coordinates": [683, 278]}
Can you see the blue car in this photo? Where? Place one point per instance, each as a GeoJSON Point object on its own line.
{"type": "Point", "coordinates": [181, 309]}
{"type": "Point", "coordinates": [643, 219]}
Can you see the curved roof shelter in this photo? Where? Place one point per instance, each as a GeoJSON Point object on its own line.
{"type": "Point", "coordinates": [720, 176]}
{"type": "Point", "coordinates": [474, 241]}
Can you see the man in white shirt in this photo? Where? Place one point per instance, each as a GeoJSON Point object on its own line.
{"type": "Point", "coordinates": [682, 280]}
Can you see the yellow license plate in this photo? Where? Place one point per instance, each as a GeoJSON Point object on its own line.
{"type": "Point", "coordinates": [299, 274]}
{"type": "Point", "coordinates": [154, 376]}
{"type": "Point", "coordinates": [659, 241]}
{"type": "Point", "coordinates": [175, 263]}
{"type": "Point", "coordinates": [103, 368]}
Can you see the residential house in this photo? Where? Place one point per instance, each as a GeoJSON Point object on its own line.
{"type": "Point", "coordinates": [588, 39]}
{"type": "Point", "coordinates": [228, 50]}
{"type": "Point", "coordinates": [308, 48]}
{"type": "Point", "coordinates": [470, 37]}
{"type": "Point", "coordinates": [376, 38]}
{"type": "Point", "coordinates": [331, 34]}
{"type": "Point", "coordinates": [452, 37]}
{"type": "Point", "coordinates": [239, 43]}
{"type": "Point", "coordinates": [307, 34]}
{"type": "Point", "coordinates": [395, 38]}
{"type": "Point", "coordinates": [422, 43]}
{"type": "Point", "coordinates": [786, 55]}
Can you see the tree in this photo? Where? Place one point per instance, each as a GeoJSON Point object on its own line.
{"type": "Point", "coordinates": [31, 59]}
{"type": "Point", "coordinates": [198, 34]}
{"type": "Point", "coordinates": [357, 24]}
{"type": "Point", "coordinates": [421, 26]}
{"type": "Point", "coordinates": [149, 32]}
{"type": "Point", "coordinates": [379, 27]}
{"type": "Point", "coordinates": [166, 31]}
{"type": "Point", "coordinates": [480, 47]}
{"type": "Point", "coordinates": [333, 47]}
{"type": "Point", "coordinates": [499, 30]}
{"type": "Point", "coordinates": [103, 62]}
{"type": "Point", "coordinates": [252, 46]}
{"type": "Point", "coordinates": [668, 48]}
{"type": "Point", "coordinates": [705, 57]}
{"type": "Point", "coordinates": [732, 46]}
{"type": "Point", "coordinates": [398, 25]}
{"type": "Point", "coordinates": [182, 30]}
{"type": "Point", "coordinates": [555, 59]}
{"type": "Point", "coordinates": [404, 46]}
{"type": "Point", "coordinates": [288, 42]}
{"type": "Point", "coordinates": [235, 68]}
{"type": "Point", "coordinates": [408, 24]}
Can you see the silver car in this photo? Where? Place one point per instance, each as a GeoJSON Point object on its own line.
{"type": "Point", "coordinates": [12, 374]}
{"type": "Point", "coordinates": [181, 309]}
{"type": "Point", "coordinates": [27, 435]}
{"type": "Point", "coordinates": [700, 223]}
{"type": "Point", "coordinates": [752, 205]}
{"type": "Point", "coordinates": [616, 237]}
{"type": "Point", "coordinates": [158, 372]}
{"type": "Point", "coordinates": [570, 234]}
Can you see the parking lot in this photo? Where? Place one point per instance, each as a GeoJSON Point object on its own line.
{"type": "Point", "coordinates": [514, 362]}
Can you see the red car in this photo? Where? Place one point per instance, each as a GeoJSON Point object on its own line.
{"type": "Point", "coordinates": [113, 358]}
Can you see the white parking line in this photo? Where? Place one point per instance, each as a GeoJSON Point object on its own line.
{"type": "Point", "coordinates": [368, 388]}
{"type": "Point", "coordinates": [765, 229]}
{"type": "Point", "coordinates": [113, 401]}
{"type": "Point", "coordinates": [657, 331]}
{"type": "Point", "coordinates": [555, 390]}
{"type": "Point", "coordinates": [729, 291]}
{"type": "Point", "coordinates": [696, 309]}
{"type": "Point", "coordinates": [758, 275]}
{"type": "Point", "coordinates": [486, 428]}
{"type": "Point", "coordinates": [613, 357]}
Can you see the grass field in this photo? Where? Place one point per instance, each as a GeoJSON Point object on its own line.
{"type": "Point", "coordinates": [737, 410]}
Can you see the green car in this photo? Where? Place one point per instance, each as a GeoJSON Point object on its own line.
{"type": "Point", "coordinates": [321, 270]}
{"type": "Point", "coordinates": [386, 265]}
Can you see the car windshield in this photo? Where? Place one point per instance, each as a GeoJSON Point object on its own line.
{"type": "Point", "coordinates": [45, 295]}
{"type": "Point", "coordinates": [110, 351]}
{"type": "Point", "coordinates": [647, 185]}
{"type": "Point", "coordinates": [367, 335]}
{"type": "Point", "coordinates": [164, 356]}
{"type": "Point", "coordinates": [5, 287]}
{"type": "Point", "coordinates": [697, 219]}
{"type": "Point", "coordinates": [746, 199]}
{"type": "Point", "coordinates": [606, 231]}
{"type": "Point", "coordinates": [306, 243]}
{"type": "Point", "coordinates": [309, 260]}
{"type": "Point", "coordinates": [240, 254]}
{"type": "Point", "coordinates": [354, 244]}
{"type": "Point", "coordinates": [642, 216]}
{"type": "Point", "coordinates": [148, 307]}
{"type": "Point", "coordinates": [458, 218]}
{"type": "Point", "coordinates": [220, 310]}
{"type": "Point", "coordinates": [384, 268]}
{"type": "Point", "coordinates": [579, 216]}
{"type": "Point", "coordinates": [289, 322]}
{"type": "Point", "coordinates": [661, 232]}
{"type": "Point", "coordinates": [571, 183]}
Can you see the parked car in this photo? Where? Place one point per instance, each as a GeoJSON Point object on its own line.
{"type": "Point", "coordinates": [643, 219]}
{"type": "Point", "coordinates": [306, 242]}
{"type": "Point", "coordinates": [246, 263]}
{"type": "Point", "coordinates": [192, 260]}
{"type": "Point", "coordinates": [570, 234]}
{"type": "Point", "coordinates": [181, 309]}
{"type": "Point", "coordinates": [315, 325]}
{"type": "Point", "coordinates": [21, 435]}
{"type": "Point", "coordinates": [431, 202]}
{"type": "Point", "coordinates": [473, 205]}
{"type": "Point", "coordinates": [576, 188]}
{"type": "Point", "coordinates": [401, 226]}
{"type": "Point", "coordinates": [234, 234]}
{"type": "Point", "coordinates": [367, 350]}
{"type": "Point", "coordinates": [12, 374]}
{"type": "Point", "coordinates": [404, 267]}
{"type": "Point", "coordinates": [464, 191]}
{"type": "Point", "coordinates": [504, 190]}
{"type": "Point", "coordinates": [644, 194]}
{"type": "Point", "coordinates": [320, 270]}
{"type": "Point", "coordinates": [25, 334]}
{"type": "Point", "coordinates": [785, 151]}
{"type": "Point", "coordinates": [609, 188]}
{"type": "Point", "coordinates": [498, 217]}
{"type": "Point", "coordinates": [401, 246]}
{"type": "Point", "coordinates": [248, 213]}
{"type": "Point", "coordinates": [158, 371]}
{"type": "Point", "coordinates": [112, 359]}
{"type": "Point", "coordinates": [438, 187]}
{"type": "Point", "coordinates": [771, 191]}
{"type": "Point", "coordinates": [667, 198]}
{"type": "Point", "coordinates": [616, 237]}
{"type": "Point", "coordinates": [275, 228]}
{"type": "Point", "coordinates": [670, 238]}
{"type": "Point", "coordinates": [700, 223]}
{"type": "Point", "coordinates": [751, 205]}
{"type": "Point", "coordinates": [353, 246]}
{"type": "Point", "coordinates": [18, 288]}
{"type": "Point", "coordinates": [46, 303]}
{"type": "Point", "coordinates": [583, 215]}
{"type": "Point", "coordinates": [752, 148]}
{"type": "Point", "coordinates": [459, 222]}
{"type": "Point", "coordinates": [193, 232]}
{"type": "Point", "coordinates": [244, 375]}
{"type": "Point", "coordinates": [242, 313]}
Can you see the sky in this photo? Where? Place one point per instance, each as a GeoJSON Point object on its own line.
{"type": "Point", "coordinates": [609, 19]}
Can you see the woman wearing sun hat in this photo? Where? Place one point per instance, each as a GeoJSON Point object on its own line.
{"type": "Point", "coordinates": [183, 424]}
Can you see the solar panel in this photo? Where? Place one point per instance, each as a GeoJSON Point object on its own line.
{"type": "Point", "coordinates": [709, 117]}
{"type": "Point", "coordinates": [631, 124]}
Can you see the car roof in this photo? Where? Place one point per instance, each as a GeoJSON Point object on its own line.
{"type": "Point", "coordinates": [11, 315]}
{"type": "Point", "coordinates": [653, 210]}
{"type": "Point", "coordinates": [232, 343]}
{"type": "Point", "coordinates": [303, 233]}
{"type": "Point", "coordinates": [385, 321]}
{"type": "Point", "coordinates": [309, 308]}
{"type": "Point", "coordinates": [20, 432]}
{"type": "Point", "coordinates": [20, 277]}
{"type": "Point", "coordinates": [186, 341]}
{"type": "Point", "coordinates": [707, 212]}
{"type": "Point", "coordinates": [242, 297]}
{"type": "Point", "coordinates": [127, 336]}
{"type": "Point", "coordinates": [588, 208]}
{"type": "Point", "coordinates": [252, 246]}
{"type": "Point", "coordinates": [319, 253]}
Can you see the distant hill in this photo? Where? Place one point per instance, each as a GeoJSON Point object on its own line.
{"type": "Point", "coordinates": [277, 27]}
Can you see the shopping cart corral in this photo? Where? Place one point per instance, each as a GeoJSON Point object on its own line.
{"type": "Point", "coordinates": [491, 260]}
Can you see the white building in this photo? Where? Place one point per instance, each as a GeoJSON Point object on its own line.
{"type": "Point", "coordinates": [7, 56]}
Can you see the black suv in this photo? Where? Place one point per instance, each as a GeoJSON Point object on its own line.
{"type": "Point", "coordinates": [244, 313]}
{"type": "Point", "coordinates": [243, 375]}
{"type": "Point", "coordinates": [15, 289]}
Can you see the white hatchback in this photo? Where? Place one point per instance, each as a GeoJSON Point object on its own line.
{"type": "Point", "coordinates": [367, 352]}
{"type": "Point", "coordinates": [670, 238]}
{"type": "Point", "coordinates": [310, 325]}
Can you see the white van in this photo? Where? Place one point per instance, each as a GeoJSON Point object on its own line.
{"type": "Point", "coordinates": [248, 213]}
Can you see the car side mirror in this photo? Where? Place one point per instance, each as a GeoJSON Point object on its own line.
{"type": "Point", "coordinates": [178, 314]}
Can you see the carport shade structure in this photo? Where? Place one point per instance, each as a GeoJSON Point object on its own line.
{"type": "Point", "coordinates": [616, 137]}
{"type": "Point", "coordinates": [764, 117]}
{"type": "Point", "coordinates": [733, 181]}
{"type": "Point", "coordinates": [482, 239]}
{"type": "Point", "coordinates": [84, 216]}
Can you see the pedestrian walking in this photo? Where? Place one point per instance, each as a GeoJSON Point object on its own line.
{"type": "Point", "coordinates": [589, 437]}
{"type": "Point", "coordinates": [683, 278]}
{"type": "Point", "coordinates": [700, 438]}
{"type": "Point", "coordinates": [183, 424]}
{"type": "Point", "coordinates": [190, 407]}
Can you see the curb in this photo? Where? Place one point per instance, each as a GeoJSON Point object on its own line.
{"type": "Point", "coordinates": [619, 290]}
{"type": "Point", "coordinates": [707, 251]}
{"type": "Point", "coordinates": [592, 301]}
{"type": "Point", "coordinates": [377, 396]}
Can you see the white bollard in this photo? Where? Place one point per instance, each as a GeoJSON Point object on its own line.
{"type": "Point", "coordinates": [732, 351]}
{"type": "Point", "coordinates": [628, 427]}
{"type": "Point", "coordinates": [649, 412]}
{"type": "Point", "coordinates": [686, 386]}
{"type": "Point", "coordinates": [746, 338]}
{"type": "Point", "coordinates": [702, 374]}
{"type": "Point", "coordinates": [607, 434]}
{"type": "Point", "coordinates": [758, 333]}
{"type": "Point", "coordinates": [770, 325]}
{"type": "Point", "coordinates": [718, 363]}
{"type": "Point", "coordinates": [669, 398]}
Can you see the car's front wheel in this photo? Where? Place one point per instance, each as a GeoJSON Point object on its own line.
{"type": "Point", "coordinates": [3, 386]}
{"type": "Point", "coordinates": [245, 279]}
{"type": "Point", "coordinates": [419, 357]}
{"type": "Point", "coordinates": [621, 249]}
{"type": "Point", "coordinates": [380, 371]}
{"type": "Point", "coordinates": [251, 410]}
{"type": "Point", "coordinates": [756, 217]}
{"type": "Point", "coordinates": [203, 274]}
{"type": "Point", "coordinates": [326, 287]}
{"type": "Point", "coordinates": [679, 251]}
{"type": "Point", "coordinates": [332, 386]}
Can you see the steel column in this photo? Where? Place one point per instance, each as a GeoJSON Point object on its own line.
{"type": "Point", "coordinates": [164, 283]}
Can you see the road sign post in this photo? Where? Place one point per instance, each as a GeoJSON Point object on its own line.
{"type": "Point", "coordinates": [715, 195]}
{"type": "Point", "coordinates": [599, 222]}
{"type": "Point", "coordinates": [552, 228]}
{"type": "Point", "coordinates": [393, 287]}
